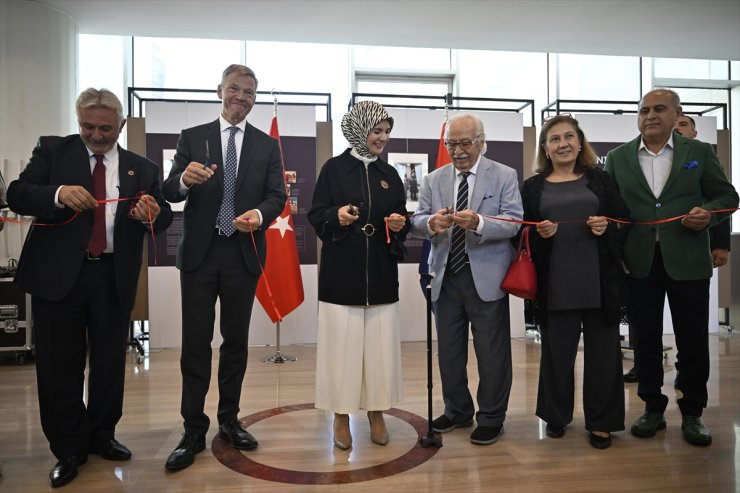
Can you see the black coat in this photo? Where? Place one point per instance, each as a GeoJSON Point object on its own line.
{"type": "Point", "coordinates": [357, 269]}
{"type": "Point", "coordinates": [52, 257]}
{"type": "Point", "coordinates": [610, 244]}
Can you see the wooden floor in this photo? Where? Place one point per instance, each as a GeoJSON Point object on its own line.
{"type": "Point", "coordinates": [296, 452]}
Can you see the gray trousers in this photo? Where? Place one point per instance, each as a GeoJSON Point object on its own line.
{"type": "Point", "coordinates": [458, 308]}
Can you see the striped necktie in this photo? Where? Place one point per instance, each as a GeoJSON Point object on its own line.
{"type": "Point", "coordinates": [458, 257]}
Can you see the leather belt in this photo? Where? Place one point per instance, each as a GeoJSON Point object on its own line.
{"type": "Point", "coordinates": [99, 257]}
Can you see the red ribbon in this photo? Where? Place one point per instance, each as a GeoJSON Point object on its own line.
{"type": "Point", "coordinates": [76, 214]}
{"type": "Point", "coordinates": [621, 221]}
{"type": "Point", "coordinates": [262, 271]}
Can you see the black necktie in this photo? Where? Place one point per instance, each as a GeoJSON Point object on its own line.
{"type": "Point", "coordinates": [458, 257]}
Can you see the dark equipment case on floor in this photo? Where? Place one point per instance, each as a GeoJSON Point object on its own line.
{"type": "Point", "coordinates": [16, 338]}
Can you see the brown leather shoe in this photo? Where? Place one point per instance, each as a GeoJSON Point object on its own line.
{"type": "Point", "coordinates": [378, 431]}
{"type": "Point", "coordinates": [342, 435]}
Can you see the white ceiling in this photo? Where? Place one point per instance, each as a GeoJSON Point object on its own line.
{"type": "Point", "coordinates": [659, 28]}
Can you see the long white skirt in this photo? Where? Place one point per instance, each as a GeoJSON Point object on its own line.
{"type": "Point", "coordinates": [358, 358]}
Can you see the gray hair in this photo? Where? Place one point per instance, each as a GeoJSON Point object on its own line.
{"type": "Point", "coordinates": [99, 98]}
{"type": "Point", "coordinates": [675, 98]}
{"type": "Point", "coordinates": [479, 128]}
{"type": "Point", "coordinates": [241, 70]}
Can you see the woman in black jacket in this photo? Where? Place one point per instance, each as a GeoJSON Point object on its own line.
{"type": "Point", "coordinates": [580, 280]}
{"type": "Point", "coordinates": [358, 355]}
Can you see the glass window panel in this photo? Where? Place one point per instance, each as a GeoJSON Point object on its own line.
{"type": "Point", "coordinates": [182, 62]}
{"type": "Point", "coordinates": [595, 77]}
{"type": "Point", "coordinates": [395, 58]}
{"type": "Point", "coordinates": [501, 74]}
{"type": "Point", "coordinates": [102, 64]}
{"type": "Point", "coordinates": [305, 67]}
{"type": "Point", "coordinates": [685, 68]}
{"type": "Point", "coordinates": [707, 97]}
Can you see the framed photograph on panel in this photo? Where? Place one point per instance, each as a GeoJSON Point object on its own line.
{"type": "Point", "coordinates": [411, 168]}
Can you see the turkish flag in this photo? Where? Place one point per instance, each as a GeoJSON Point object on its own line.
{"type": "Point", "coordinates": [443, 157]}
{"type": "Point", "coordinates": [280, 289]}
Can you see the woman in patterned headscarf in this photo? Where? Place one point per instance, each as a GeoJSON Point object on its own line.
{"type": "Point", "coordinates": [358, 356]}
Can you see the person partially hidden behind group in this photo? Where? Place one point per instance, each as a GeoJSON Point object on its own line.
{"type": "Point", "coordinates": [580, 280]}
{"type": "Point", "coordinates": [358, 353]}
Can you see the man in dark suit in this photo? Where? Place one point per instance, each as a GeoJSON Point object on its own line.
{"type": "Point", "coordinates": [468, 273]}
{"type": "Point", "coordinates": [231, 175]}
{"type": "Point", "coordinates": [81, 265]}
{"type": "Point", "coordinates": [660, 175]}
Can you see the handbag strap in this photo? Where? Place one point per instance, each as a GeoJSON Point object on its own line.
{"type": "Point", "coordinates": [524, 241]}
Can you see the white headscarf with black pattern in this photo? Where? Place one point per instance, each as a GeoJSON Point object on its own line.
{"type": "Point", "coordinates": [359, 121]}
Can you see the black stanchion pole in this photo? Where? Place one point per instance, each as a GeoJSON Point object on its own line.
{"type": "Point", "coordinates": [430, 440]}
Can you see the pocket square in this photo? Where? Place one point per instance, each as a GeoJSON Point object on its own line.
{"type": "Point", "coordinates": [690, 165]}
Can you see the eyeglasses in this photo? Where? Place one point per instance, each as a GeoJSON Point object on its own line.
{"type": "Point", "coordinates": [547, 119]}
{"type": "Point", "coordinates": [464, 144]}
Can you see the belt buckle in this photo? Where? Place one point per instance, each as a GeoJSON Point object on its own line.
{"type": "Point", "coordinates": [368, 229]}
{"type": "Point", "coordinates": [89, 257]}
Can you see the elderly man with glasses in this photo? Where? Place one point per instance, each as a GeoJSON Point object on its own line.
{"type": "Point", "coordinates": [458, 207]}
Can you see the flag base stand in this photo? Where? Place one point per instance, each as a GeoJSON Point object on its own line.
{"type": "Point", "coordinates": [278, 357]}
{"type": "Point", "coordinates": [431, 439]}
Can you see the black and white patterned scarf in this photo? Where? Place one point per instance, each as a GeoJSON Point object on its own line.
{"type": "Point", "coordinates": [359, 121]}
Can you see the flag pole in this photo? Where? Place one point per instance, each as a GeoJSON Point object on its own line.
{"type": "Point", "coordinates": [278, 357]}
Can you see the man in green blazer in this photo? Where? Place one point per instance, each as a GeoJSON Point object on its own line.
{"type": "Point", "coordinates": [662, 175]}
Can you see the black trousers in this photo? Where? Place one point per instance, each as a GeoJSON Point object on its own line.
{"type": "Point", "coordinates": [89, 317]}
{"type": "Point", "coordinates": [222, 275]}
{"type": "Point", "coordinates": [603, 384]}
{"type": "Point", "coordinates": [689, 305]}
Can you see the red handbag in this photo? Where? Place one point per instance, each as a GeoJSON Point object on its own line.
{"type": "Point", "coordinates": [521, 278]}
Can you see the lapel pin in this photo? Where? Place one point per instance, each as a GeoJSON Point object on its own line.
{"type": "Point", "coordinates": [384, 184]}
{"type": "Point", "coordinates": [131, 172]}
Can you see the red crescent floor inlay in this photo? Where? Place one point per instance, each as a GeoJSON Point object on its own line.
{"type": "Point", "coordinates": [241, 462]}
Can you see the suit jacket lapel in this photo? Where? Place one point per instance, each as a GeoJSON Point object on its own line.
{"type": "Point", "coordinates": [634, 165]}
{"type": "Point", "coordinates": [128, 181]}
{"type": "Point", "coordinates": [447, 187]}
{"type": "Point", "coordinates": [680, 154]}
{"type": "Point", "coordinates": [484, 176]}
{"type": "Point", "coordinates": [245, 158]}
{"type": "Point", "coordinates": [213, 137]}
{"type": "Point", "coordinates": [82, 169]}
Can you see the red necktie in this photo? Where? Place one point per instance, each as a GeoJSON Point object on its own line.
{"type": "Point", "coordinates": [98, 240]}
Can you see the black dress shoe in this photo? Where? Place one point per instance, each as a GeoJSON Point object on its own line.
{"type": "Point", "coordinates": [486, 435]}
{"type": "Point", "coordinates": [184, 454]}
{"type": "Point", "coordinates": [65, 470]}
{"type": "Point", "coordinates": [238, 437]}
{"type": "Point", "coordinates": [112, 450]}
{"type": "Point", "coordinates": [443, 424]}
{"type": "Point", "coordinates": [631, 376]}
{"type": "Point", "coordinates": [600, 442]}
{"type": "Point", "coordinates": [554, 431]}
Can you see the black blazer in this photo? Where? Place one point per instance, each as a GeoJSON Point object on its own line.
{"type": "Point", "coordinates": [259, 185]}
{"type": "Point", "coordinates": [52, 256]}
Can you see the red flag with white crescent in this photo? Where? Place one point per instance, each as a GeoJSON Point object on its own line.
{"type": "Point", "coordinates": [280, 289]}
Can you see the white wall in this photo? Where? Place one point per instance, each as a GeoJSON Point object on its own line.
{"type": "Point", "coordinates": [38, 74]}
